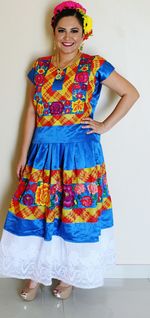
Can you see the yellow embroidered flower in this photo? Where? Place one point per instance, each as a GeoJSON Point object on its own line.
{"type": "Point", "coordinates": [78, 106]}
{"type": "Point", "coordinates": [42, 196]}
{"type": "Point", "coordinates": [87, 24]}
{"type": "Point", "coordinates": [40, 109]}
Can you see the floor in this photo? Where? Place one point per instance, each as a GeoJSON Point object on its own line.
{"type": "Point", "coordinates": [118, 298]}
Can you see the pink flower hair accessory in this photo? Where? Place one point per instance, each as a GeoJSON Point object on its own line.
{"type": "Point", "coordinates": [68, 5]}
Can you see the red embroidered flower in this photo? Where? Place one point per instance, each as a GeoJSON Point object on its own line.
{"type": "Point", "coordinates": [67, 102]}
{"type": "Point", "coordinates": [99, 192]}
{"type": "Point", "coordinates": [76, 86]}
{"type": "Point", "coordinates": [39, 79]}
{"type": "Point", "coordinates": [56, 108]}
{"type": "Point", "coordinates": [86, 201]}
{"type": "Point", "coordinates": [20, 189]}
{"type": "Point", "coordinates": [82, 77]}
{"type": "Point", "coordinates": [84, 87]}
{"type": "Point", "coordinates": [41, 63]}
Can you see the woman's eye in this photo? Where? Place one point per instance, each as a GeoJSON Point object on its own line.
{"type": "Point", "coordinates": [60, 31]}
{"type": "Point", "coordinates": [74, 31]}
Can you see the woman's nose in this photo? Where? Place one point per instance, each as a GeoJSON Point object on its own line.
{"type": "Point", "coordinates": [67, 36]}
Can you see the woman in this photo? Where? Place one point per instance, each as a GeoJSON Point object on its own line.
{"type": "Point", "coordinates": [60, 220]}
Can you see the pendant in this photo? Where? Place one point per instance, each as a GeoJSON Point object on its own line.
{"type": "Point", "coordinates": [59, 74]}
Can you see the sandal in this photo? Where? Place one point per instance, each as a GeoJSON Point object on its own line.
{"type": "Point", "coordinates": [28, 293]}
{"type": "Point", "coordinates": [61, 291]}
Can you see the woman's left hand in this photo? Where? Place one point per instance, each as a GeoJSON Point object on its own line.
{"type": "Point", "coordinates": [97, 127]}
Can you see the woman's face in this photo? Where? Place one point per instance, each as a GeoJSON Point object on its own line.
{"type": "Point", "coordinates": [68, 34]}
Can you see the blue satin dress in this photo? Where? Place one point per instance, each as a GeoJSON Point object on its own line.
{"type": "Point", "coordinates": [60, 220]}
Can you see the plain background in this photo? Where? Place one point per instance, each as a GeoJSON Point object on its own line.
{"type": "Point", "coordinates": [121, 35]}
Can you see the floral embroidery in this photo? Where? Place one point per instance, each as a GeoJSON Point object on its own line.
{"type": "Point", "coordinates": [79, 188]}
{"type": "Point", "coordinates": [42, 196]}
{"type": "Point", "coordinates": [92, 188]}
{"type": "Point", "coordinates": [82, 77]}
{"type": "Point", "coordinates": [86, 201]}
{"type": "Point", "coordinates": [56, 108]}
{"type": "Point", "coordinates": [39, 79]}
{"type": "Point", "coordinates": [68, 196]}
{"type": "Point", "coordinates": [40, 109]}
{"type": "Point", "coordinates": [28, 199]}
{"type": "Point", "coordinates": [78, 106]}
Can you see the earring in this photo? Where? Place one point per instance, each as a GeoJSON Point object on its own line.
{"type": "Point", "coordinates": [81, 46]}
{"type": "Point", "coordinates": [54, 46]}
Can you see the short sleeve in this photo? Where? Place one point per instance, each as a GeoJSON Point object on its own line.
{"type": "Point", "coordinates": [105, 69]}
{"type": "Point", "coordinates": [31, 73]}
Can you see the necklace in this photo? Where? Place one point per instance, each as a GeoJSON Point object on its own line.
{"type": "Point", "coordinates": [60, 70]}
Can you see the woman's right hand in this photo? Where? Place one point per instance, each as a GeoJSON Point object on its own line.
{"type": "Point", "coordinates": [21, 166]}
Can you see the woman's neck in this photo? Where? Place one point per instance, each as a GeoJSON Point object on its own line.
{"type": "Point", "coordinates": [63, 58]}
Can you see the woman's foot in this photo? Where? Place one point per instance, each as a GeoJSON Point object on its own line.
{"type": "Point", "coordinates": [62, 290]}
{"type": "Point", "coordinates": [29, 291]}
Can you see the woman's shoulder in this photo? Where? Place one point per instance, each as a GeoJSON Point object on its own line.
{"type": "Point", "coordinates": [41, 60]}
{"type": "Point", "coordinates": [95, 59]}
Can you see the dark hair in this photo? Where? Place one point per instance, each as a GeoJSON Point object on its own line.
{"type": "Point", "coordinates": [66, 13]}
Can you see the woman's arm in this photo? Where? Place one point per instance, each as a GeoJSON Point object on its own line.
{"type": "Point", "coordinates": [128, 94]}
{"type": "Point", "coordinates": [28, 129]}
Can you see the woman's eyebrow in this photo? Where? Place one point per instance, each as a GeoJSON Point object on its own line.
{"type": "Point", "coordinates": [65, 28]}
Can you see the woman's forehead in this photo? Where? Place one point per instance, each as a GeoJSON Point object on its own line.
{"type": "Point", "coordinates": [69, 21]}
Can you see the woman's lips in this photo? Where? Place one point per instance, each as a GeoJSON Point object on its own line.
{"type": "Point", "coordinates": [67, 44]}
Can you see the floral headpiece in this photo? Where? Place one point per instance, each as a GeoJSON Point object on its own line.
{"type": "Point", "coordinates": [87, 21]}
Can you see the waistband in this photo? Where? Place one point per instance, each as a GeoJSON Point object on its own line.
{"type": "Point", "coordinates": [63, 134]}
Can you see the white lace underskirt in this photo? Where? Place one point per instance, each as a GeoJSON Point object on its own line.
{"type": "Point", "coordinates": [82, 265]}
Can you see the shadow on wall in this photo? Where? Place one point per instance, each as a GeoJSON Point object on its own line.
{"type": "Point", "coordinates": [11, 187]}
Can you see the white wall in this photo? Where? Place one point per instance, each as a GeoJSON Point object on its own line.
{"type": "Point", "coordinates": [121, 35]}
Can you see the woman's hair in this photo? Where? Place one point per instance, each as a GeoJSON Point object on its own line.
{"type": "Point", "coordinates": [66, 13]}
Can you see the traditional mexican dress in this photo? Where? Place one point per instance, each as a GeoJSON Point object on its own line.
{"type": "Point", "coordinates": [60, 220]}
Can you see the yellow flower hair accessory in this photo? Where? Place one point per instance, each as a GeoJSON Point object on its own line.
{"type": "Point", "coordinates": [87, 26]}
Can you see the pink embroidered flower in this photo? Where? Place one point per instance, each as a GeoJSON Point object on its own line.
{"type": "Point", "coordinates": [105, 179]}
{"type": "Point", "coordinates": [81, 77]}
{"type": "Point", "coordinates": [28, 199]}
{"type": "Point", "coordinates": [53, 189]}
{"type": "Point", "coordinates": [39, 79]}
{"type": "Point", "coordinates": [59, 187]}
{"type": "Point", "coordinates": [92, 187]}
{"type": "Point", "coordinates": [56, 108]}
{"type": "Point", "coordinates": [68, 196]}
{"type": "Point", "coordinates": [79, 95]}
{"type": "Point", "coordinates": [86, 201]}
{"type": "Point", "coordinates": [56, 198]}
{"type": "Point", "coordinates": [79, 188]}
